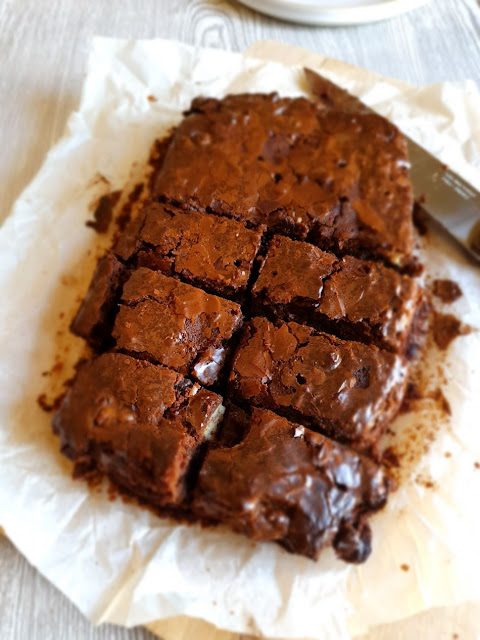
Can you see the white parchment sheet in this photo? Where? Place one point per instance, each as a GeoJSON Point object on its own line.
{"type": "Point", "coordinates": [119, 563]}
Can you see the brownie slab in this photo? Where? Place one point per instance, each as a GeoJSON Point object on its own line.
{"type": "Point", "coordinates": [174, 324]}
{"type": "Point", "coordinates": [139, 423]}
{"type": "Point", "coordinates": [347, 390]}
{"type": "Point", "coordinates": [287, 484]}
{"type": "Point", "coordinates": [94, 319]}
{"type": "Point", "coordinates": [336, 178]}
{"type": "Point", "coordinates": [353, 299]}
{"type": "Point", "coordinates": [214, 253]}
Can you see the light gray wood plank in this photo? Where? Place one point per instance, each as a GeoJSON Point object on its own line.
{"type": "Point", "coordinates": [43, 51]}
{"type": "Point", "coordinates": [32, 609]}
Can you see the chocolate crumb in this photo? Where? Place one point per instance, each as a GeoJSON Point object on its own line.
{"type": "Point", "coordinates": [404, 567]}
{"type": "Point", "coordinates": [447, 290]}
{"type": "Point", "coordinates": [151, 98]}
{"type": "Point", "coordinates": [420, 219]}
{"type": "Point", "coordinates": [125, 214]}
{"type": "Point", "coordinates": [446, 328]}
{"type": "Point", "coordinates": [390, 458]}
{"type": "Point", "coordinates": [476, 465]}
{"type": "Point", "coordinates": [441, 401]}
{"type": "Point", "coordinates": [103, 212]}
{"type": "Point", "coordinates": [474, 238]}
{"type": "Point", "coordinates": [49, 406]}
{"type": "Point", "coordinates": [412, 393]}
{"type": "Point", "coordinates": [448, 454]}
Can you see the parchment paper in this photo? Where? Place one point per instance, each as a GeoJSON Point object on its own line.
{"type": "Point", "coordinates": [121, 564]}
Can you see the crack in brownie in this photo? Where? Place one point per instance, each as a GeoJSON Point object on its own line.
{"type": "Point", "coordinates": [141, 424]}
{"type": "Point", "coordinates": [347, 390]}
{"type": "Point", "coordinates": [211, 252]}
{"type": "Point", "coordinates": [353, 299]}
{"type": "Point", "coordinates": [166, 321]}
{"type": "Point", "coordinates": [285, 483]}
{"type": "Point", "coordinates": [335, 178]}
{"type": "Point", "coordinates": [271, 210]}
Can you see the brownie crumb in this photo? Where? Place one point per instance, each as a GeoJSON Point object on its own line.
{"type": "Point", "coordinates": [412, 393]}
{"type": "Point", "coordinates": [420, 219]}
{"type": "Point", "coordinates": [49, 406]}
{"type": "Point", "coordinates": [447, 290]}
{"type": "Point", "coordinates": [404, 567]}
{"type": "Point", "coordinates": [103, 212]}
{"type": "Point", "coordinates": [125, 214]}
{"type": "Point", "coordinates": [446, 327]}
{"type": "Point", "coordinates": [474, 239]}
{"type": "Point", "coordinates": [390, 458]}
{"type": "Point", "coordinates": [476, 465]}
{"type": "Point", "coordinates": [442, 403]}
{"type": "Point", "coordinates": [151, 98]}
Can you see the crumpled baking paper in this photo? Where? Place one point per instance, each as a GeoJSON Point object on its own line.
{"type": "Point", "coordinates": [118, 562]}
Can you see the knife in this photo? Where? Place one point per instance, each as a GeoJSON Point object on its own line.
{"type": "Point", "coordinates": [441, 192]}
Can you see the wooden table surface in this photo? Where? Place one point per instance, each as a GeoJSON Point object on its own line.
{"type": "Point", "coordinates": [43, 52]}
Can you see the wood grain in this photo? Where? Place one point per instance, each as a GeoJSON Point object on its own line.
{"type": "Point", "coordinates": [43, 52]}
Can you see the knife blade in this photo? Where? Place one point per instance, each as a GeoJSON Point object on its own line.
{"type": "Point", "coordinates": [441, 192]}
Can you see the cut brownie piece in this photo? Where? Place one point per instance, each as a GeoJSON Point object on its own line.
{"type": "Point", "coordinates": [339, 179]}
{"type": "Point", "coordinates": [287, 484]}
{"type": "Point", "coordinates": [353, 299]}
{"type": "Point", "coordinates": [164, 320]}
{"type": "Point", "coordinates": [214, 253]}
{"type": "Point", "coordinates": [95, 317]}
{"type": "Point", "coordinates": [348, 390]}
{"type": "Point", "coordinates": [139, 423]}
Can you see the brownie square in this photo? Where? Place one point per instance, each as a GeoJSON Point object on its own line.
{"type": "Point", "coordinates": [95, 317]}
{"type": "Point", "coordinates": [166, 321]}
{"type": "Point", "coordinates": [214, 253]}
{"type": "Point", "coordinates": [139, 423]}
{"type": "Point", "coordinates": [353, 299]}
{"type": "Point", "coordinates": [338, 179]}
{"type": "Point", "coordinates": [287, 484]}
{"type": "Point", "coordinates": [347, 390]}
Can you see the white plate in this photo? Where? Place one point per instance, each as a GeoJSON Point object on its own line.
{"type": "Point", "coordinates": [333, 12]}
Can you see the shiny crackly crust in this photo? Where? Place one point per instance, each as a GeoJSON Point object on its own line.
{"type": "Point", "coordinates": [141, 424]}
{"type": "Point", "coordinates": [166, 321]}
{"type": "Point", "coordinates": [285, 483]}
{"type": "Point", "coordinates": [339, 179]}
{"type": "Point", "coordinates": [234, 173]}
{"type": "Point", "coordinates": [347, 390]}
{"type": "Point", "coordinates": [214, 253]}
{"type": "Point", "coordinates": [351, 298]}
